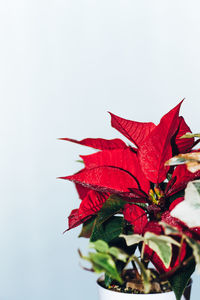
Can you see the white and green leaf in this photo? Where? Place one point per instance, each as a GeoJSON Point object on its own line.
{"type": "Point", "coordinates": [188, 211]}
{"type": "Point", "coordinates": [103, 262]}
{"type": "Point", "coordinates": [162, 245]}
{"type": "Point", "coordinates": [196, 252]}
{"type": "Point", "coordinates": [132, 239]}
{"type": "Point", "coordinates": [118, 254]}
{"type": "Point", "coordinates": [168, 229]}
{"type": "Point", "coordinates": [99, 245]}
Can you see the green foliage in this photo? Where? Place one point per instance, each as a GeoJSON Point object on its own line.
{"type": "Point", "coordinates": [104, 263]}
{"type": "Point", "coordinates": [145, 273]}
{"type": "Point", "coordinates": [105, 258]}
{"type": "Point", "coordinates": [112, 206]}
{"type": "Point", "coordinates": [132, 239]}
{"type": "Point", "coordinates": [159, 243]}
{"type": "Point", "coordinates": [99, 246]}
{"type": "Point", "coordinates": [180, 278]}
{"type": "Point", "coordinates": [109, 230]}
{"type": "Point", "coordinates": [118, 254]}
{"type": "Point", "coordinates": [87, 228]}
{"type": "Point", "coordinates": [196, 251]}
{"type": "Point", "coordinates": [108, 280]}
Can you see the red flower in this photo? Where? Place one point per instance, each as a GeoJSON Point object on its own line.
{"type": "Point", "coordinates": [130, 172]}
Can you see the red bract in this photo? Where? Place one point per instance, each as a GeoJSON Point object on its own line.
{"type": "Point", "coordinates": [181, 226]}
{"type": "Point", "coordinates": [136, 132]}
{"type": "Point", "coordinates": [130, 172]}
{"type": "Point", "coordinates": [136, 216]}
{"type": "Point", "coordinates": [156, 148]}
{"type": "Point", "coordinates": [180, 145]}
{"type": "Point", "coordinates": [180, 178]}
{"type": "Point", "coordinates": [101, 144]}
{"type": "Point", "coordinates": [92, 203]}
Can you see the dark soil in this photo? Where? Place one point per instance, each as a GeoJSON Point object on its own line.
{"type": "Point", "coordinates": [133, 285]}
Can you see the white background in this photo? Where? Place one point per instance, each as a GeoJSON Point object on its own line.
{"type": "Point", "coordinates": [63, 65]}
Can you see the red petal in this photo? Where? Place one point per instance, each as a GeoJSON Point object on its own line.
{"type": "Point", "coordinates": [153, 227]}
{"type": "Point", "coordinates": [136, 132]}
{"type": "Point", "coordinates": [101, 144]}
{"type": "Point", "coordinates": [175, 202]}
{"type": "Point", "coordinates": [136, 216]}
{"type": "Point", "coordinates": [82, 190]}
{"type": "Point", "coordinates": [182, 145]}
{"type": "Point", "coordinates": [105, 179]}
{"type": "Point", "coordinates": [182, 177]}
{"type": "Point", "coordinates": [182, 227]}
{"type": "Point", "coordinates": [73, 219]}
{"type": "Point", "coordinates": [156, 149]}
{"type": "Point", "coordinates": [124, 159]}
{"type": "Point", "coordinates": [167, 218]}
{"type": "Point", "coordinates": [92, 203]}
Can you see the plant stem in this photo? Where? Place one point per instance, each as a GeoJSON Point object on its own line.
{"type": "Point", "coordinates": [180, 249]}
{"type": "Point", "coordinates": [136, 270]}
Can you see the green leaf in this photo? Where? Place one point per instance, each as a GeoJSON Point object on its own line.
{"type": "Point", "coordinates": [163, 238]}
{"type": "Point", "coordinates": [105, 261]}
{"type": "Point", "coordinates": [99, 246]}
{"type": "Point", "coordinates": [108, 280]}
{"type": "Point", "coordinates": [112, 206]}
{"type": "Point", "coordinates": [169, 229]}
{"type": "Point", "coordinates": [109, 230]}
{"type": "Point", "coordinates": [118, 254]}
{"type": "Point", "coordinates": [87, 228]}
{"type": "Point", "coordinates": [180, 279]}
{"type": "Point", "coordinates": [132, 239]}
{"type": "Point", "coordinates": [196, 251]}
{"type": "Point", "coordinates": [120, 242]}
{"type": "Point", "coordinates": [145, 273]}
{"type": "Point", "coordinates": [161, 245]}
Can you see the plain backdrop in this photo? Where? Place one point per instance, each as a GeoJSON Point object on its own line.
{"type": "Point", "coordinates": [63, 65]}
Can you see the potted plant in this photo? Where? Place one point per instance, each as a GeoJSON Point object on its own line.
{"type": "Point", "coordinates": [129, 202]}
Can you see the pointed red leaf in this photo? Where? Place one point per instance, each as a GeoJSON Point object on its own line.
{"type": "Point", "coordinates": [181, 226]}
{"type": "Point", "coordinates": [101, 144]}
{"type": "Point", "coordinates": [73, 219]}
{"type": "Point", "coordinates": [182, 145]}
{"type": "Point", "coordinates": [136, 132]}
{"type": "Point", "coordinates": [124, 159]}
{"type": "Point", "coordinates": [156, 149]}
{"type": "Point", "coordinates": [136, 216]}
{"type": "Point", "coordinates": [92, 203]}
{"type": "Point", "coordinates": [105, 179]}
{"type": "Point", "coordinates": [180, 178]}
{"type": "Point", "coordinates": [175, 202]}
{"type": "Point", "coordinates": [82, 190]}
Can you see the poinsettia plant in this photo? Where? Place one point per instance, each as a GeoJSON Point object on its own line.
{"type": "Point", "coordinates": [128, 198]}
